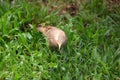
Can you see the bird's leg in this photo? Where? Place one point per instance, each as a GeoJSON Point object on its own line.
{"type": "Point", "coordinates": [59, 47]}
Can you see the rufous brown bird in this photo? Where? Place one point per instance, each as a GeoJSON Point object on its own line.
{"type": "Point", "coordinates": [56, 37]}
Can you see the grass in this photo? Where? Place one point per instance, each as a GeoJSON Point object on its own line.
{"type": "Point", "coordinates": [92, 51]}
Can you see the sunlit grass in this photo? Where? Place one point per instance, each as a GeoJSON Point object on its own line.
{"type": "Point", "coordinates": [92, 50]}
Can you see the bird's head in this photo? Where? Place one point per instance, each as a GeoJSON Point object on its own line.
{"type": "Point", "coordinates": [41, 28]}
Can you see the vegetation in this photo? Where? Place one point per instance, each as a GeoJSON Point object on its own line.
{"type": "Point", "coordinates": [92, 51]}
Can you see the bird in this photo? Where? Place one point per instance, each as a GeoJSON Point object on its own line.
{"type": "Point", "coordinates": [56, 37]}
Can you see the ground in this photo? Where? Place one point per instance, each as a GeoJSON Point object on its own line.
{"type": "Point", "coordinates": [92, 51]}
